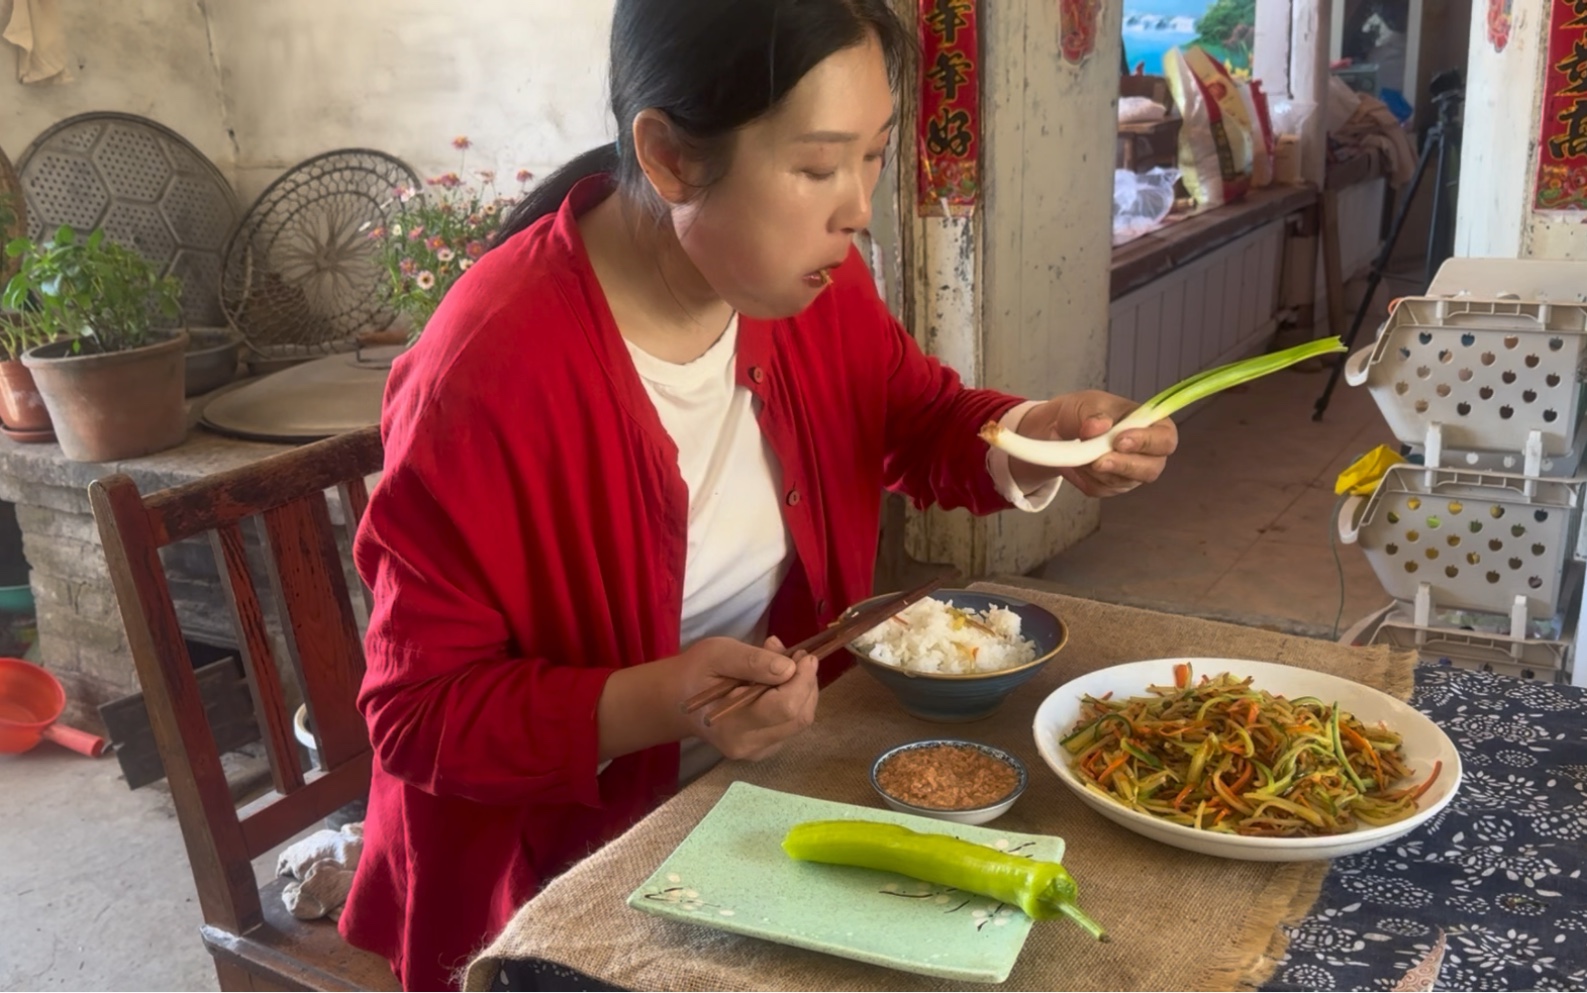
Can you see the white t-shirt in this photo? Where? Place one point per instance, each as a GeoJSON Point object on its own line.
{"type": "Point", "coordinates": [738, 546]}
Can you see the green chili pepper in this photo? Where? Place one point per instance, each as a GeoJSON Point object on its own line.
{"type": "Point", "coordinates": [1043, 890]}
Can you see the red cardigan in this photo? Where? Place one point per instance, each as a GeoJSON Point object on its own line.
{"type": "Point", "coordinates": [528, 537]}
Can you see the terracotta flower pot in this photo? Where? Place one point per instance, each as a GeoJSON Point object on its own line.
{"type": "Point", "coordinates": [119, 405]}
{"type": "Point", "coordinates": [21, 407]}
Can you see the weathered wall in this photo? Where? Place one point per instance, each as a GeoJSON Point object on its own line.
{"type": "Point", "coordinates": [1016, 298]}
{"type": "Point", "coordinates": [1499, 152]}
{"type": "Point", "coordinates": [526, 81]}
{"type": "Point", "coordinates": [152, 58]}
{"type": "Point", "coordinates": [260, 86]}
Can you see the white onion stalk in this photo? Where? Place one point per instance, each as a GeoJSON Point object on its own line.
{"type": "Point", "coordinates": [1068, 454]}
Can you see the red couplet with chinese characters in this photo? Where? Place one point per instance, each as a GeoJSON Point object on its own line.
{"type": "Point", "coordinates": [950, 108]}
{"type": "Point", "coordinates": [1562, 140]}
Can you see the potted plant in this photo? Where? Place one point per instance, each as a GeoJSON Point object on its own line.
{"type": "Point", "coordinates": [22, 411]}
{"type": "Point", "coordinates": [111, 368]}
{"type": "Point", "coordinates": [435, 235]}
{"type": "Point", "coordinates": [11, 226]}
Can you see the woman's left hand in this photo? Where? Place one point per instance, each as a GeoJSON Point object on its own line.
{"type": "Point", "coordinates": [1138, 456]}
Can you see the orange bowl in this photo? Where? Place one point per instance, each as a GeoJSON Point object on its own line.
{"type": "Point", "coordinates": [30, 701]}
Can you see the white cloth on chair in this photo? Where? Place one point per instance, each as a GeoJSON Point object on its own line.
{"type": "Point", "coordinates": [321, 868]}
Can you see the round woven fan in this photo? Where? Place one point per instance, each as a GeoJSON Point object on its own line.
{"type": "Point", "coordinates": [301, 275]}
{"type": "Point", "coordinates": [15, 205]}
{"type": "Point", "coordinates": [146, 186]}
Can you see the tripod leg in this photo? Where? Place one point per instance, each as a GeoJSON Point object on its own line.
{"type": "Point", "coordinates": [1379, 265]}
{"type": "Point", "coordinates": [1438, 248]}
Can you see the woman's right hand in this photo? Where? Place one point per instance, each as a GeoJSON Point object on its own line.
{"type": "Point", "coordinates": [756, 731]}
{"type": "Point", "coordinates": [642, 706]}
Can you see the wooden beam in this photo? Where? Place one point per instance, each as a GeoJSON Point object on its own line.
{"type": "Point", "coordinates": [1270, 57]}
{"type": "Point", "coordinates": [1309, 76]}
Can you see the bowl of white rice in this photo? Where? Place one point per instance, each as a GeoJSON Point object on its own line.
{"type": "Point", "coordinates": [955, 656]}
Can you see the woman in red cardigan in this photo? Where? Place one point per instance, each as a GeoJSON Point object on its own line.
{"type": "Point", "coordinates": [645, 438]}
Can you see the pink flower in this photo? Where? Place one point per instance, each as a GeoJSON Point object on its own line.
{"type": "Point", "coordinates": [435, 243]}
{"type": "Point", "coordinates": [488, 175]}
{"type": "Point", "coordinates": [445, 254]}
{"type": "Point", "coordinates": [461, 142]}
{"type": "Point", "coordinates": [425, 280]}
{"type": "Point", "coordinates": [524, 175]}
{"type": "Point", "coordinates": [476, 248]}
{"type": "Point", "coordinates": [377, 234]}
{"type": "Point", "coordinates": [408, 267]}
{"type": "Point", "coordinates": [416, 232]}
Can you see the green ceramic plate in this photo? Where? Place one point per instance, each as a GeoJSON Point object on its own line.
{"type": "Point", "coordinates": [731, 873]}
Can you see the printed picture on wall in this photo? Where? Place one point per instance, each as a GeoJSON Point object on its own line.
{"type": "Point", "coordinates": [1225, 28]}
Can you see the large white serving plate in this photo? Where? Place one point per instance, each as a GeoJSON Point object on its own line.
{"type": "Point", "coordinates": [1424, 745]}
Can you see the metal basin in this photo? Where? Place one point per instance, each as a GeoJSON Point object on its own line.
{"type": "Point", "coordinates": [212, 356]}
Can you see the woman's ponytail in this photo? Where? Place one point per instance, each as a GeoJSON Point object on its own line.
{"type": "Point", "coordinates": [547, 196]}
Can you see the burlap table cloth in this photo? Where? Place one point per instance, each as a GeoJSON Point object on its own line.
{"type": "Point", "coordinates": [1178, 920]}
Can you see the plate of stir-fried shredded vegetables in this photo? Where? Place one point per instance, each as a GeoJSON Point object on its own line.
{"type": "Point", "coordinates": [1249, 760]}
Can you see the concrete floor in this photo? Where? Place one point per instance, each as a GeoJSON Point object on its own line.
{"type": "Point", "coordinates": [97, 892]}
{"type": "Point", "coordinates": [98, 895]}
{"type": "Point", "coordinates": [1241, 525]}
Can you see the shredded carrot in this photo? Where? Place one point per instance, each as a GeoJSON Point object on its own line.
{"type": "Point", "coordinates": [1365, 745]}
{"type": "Point", "coordinates": [1112, 766]}
{"type": "Point", "coordinates": [1245, 777]}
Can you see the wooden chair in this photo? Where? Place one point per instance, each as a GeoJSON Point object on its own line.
{"type": "Point", "coordinates": [255, 942]}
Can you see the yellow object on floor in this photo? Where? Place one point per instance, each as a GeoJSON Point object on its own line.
{"type": "Point", "coordinates": [1361, 478]}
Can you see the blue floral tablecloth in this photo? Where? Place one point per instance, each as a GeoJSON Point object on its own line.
{"type": "Point", "coordinates": [1496, 878]}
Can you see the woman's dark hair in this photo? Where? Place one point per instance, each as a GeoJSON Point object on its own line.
{"type": "Point", "coordinates": [713, 66]}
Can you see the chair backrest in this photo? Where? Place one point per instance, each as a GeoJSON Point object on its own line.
{"type": "Point", "coordinates": [306, 579]}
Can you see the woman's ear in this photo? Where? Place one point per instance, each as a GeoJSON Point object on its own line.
{"type": "Point", "coordinates": [661, 156]}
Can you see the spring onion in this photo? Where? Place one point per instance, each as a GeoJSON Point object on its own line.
{"type": "Point", "coordinates": [1059, 454]}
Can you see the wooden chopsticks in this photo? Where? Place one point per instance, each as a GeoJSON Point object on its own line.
{"type": "Point", "coordinates": [820, 645]}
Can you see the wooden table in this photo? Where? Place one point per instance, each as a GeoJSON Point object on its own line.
{"type": "Point", "coordinates": [1178, 920]}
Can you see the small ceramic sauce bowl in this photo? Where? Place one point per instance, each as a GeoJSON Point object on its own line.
{"type": "Point", "coordinates": [949, 779]}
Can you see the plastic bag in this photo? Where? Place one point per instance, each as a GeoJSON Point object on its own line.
{"type": "Point", "coordinates": [1361, 477]}
{"type": "Point", "coordinates": [1290, 116]}
{"type": "Point", "coordinates": [1215, 143]}
{"type": "Point", "coordinates": [1289, 119]}
{"type": "Point", "coordinates": [1141, 201]}
{"type": "Point", "coordinates": [1136, 110]}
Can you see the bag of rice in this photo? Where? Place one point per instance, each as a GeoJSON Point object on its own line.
{"type": "Point", "coordinates": [1261, 152]}
{"type": "Point", "coordinates": [1215, 143]}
